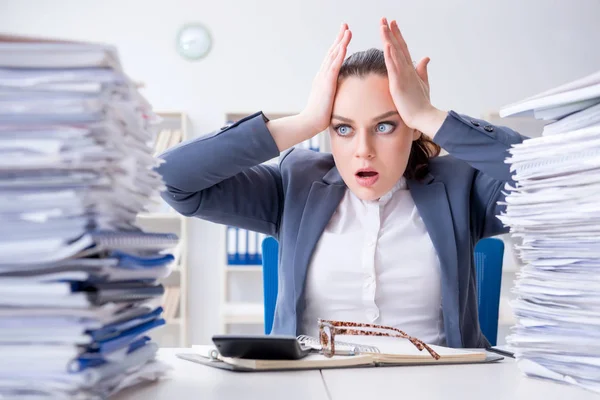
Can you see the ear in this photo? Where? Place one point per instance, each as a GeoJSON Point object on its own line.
{"type": "Point", "coordinates": [416, 134]}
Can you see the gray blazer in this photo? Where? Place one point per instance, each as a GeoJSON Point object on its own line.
{"type": "Point", "coordinates": [220, 178]}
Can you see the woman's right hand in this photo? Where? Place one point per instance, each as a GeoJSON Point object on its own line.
{"type": "Point", "coordinates": [320, 102]}
{"type": "Point", "coordinates": [316, 116]}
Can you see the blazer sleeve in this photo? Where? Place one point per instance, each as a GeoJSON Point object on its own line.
{"type": "Point", "coordinates": [220, 177]}
{"type": "Point", "coordinates": [484, 147]}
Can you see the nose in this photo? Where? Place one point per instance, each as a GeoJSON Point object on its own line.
{"type": "Point", "coordinates": [364, 146]}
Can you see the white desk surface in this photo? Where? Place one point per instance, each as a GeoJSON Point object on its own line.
{"type": "Point", "coordinates": [189, 380]}
{"type": "Point", "coordinates": [497, 381]}
{"type": "Point", "coordinates": [503, 380]}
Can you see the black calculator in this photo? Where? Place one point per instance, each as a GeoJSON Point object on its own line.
{"type": "Point", "coordinates": [260, 347]}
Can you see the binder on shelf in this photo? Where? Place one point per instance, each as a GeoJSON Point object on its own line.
{"type": "Point", "coordinates": [243, 247]}
{"type": "Point", "coordinates": [232, 245]}
{"type": "Point", "coordinates": [252, 247]}
{"type": "Point", "coordinates": [314, 143]}
{"type": "Point", "coordinates": [310, 144]}
{"type": "Point", "coordinates": [260, 237]}
{"type": "Point", "coordinates": [167, 138]}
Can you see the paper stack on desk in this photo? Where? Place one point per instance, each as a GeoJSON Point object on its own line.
{"type": "Point", "coordinates": [554, 211]}
{"type": "Point", "coordinates": [78, 279]}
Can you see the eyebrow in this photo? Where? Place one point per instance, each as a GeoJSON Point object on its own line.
{"type": "Point", "coordinates": [387, 114]}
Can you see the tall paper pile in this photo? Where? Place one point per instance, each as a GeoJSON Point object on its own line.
{"type": "Point", "coordinates": [554, 211]}
{"type": "Point", "coordinates": [78, 279]}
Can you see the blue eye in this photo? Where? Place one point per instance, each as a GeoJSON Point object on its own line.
{"type": "Point", "coordinates": [385, 127]}
{"type": "Point", "coordinates": [343, 130]}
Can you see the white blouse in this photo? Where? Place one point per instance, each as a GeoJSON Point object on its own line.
{"type": "Point", "coordinates": [375, 263]}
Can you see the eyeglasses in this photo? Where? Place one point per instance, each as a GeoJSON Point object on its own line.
{"type": "Point", "coordinates": [328, 329]}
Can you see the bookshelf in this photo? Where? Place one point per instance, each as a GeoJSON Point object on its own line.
{"type": "Point", "coordinates": [242, 309]}
{"type": "Point", "coordinates": [173, 128]}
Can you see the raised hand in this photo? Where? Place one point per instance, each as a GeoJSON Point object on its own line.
{"type": "Point", "coordinates": [320, 102]}
{"type": "Point", "coordinates": [316, 116]}
{"type": "Point", "coordinates": [409, 86]}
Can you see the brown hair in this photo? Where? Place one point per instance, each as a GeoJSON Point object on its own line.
{"type": "Point", "coordinates": [372, 61]}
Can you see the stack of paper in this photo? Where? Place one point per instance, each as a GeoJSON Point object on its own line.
{"type": "Point", "coordinates": [554, 211]}
{"type": "Point", "coordinates": [78, 279]}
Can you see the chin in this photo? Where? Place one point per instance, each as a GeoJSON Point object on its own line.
{"type": "Point", "coordinates": [366, 194]}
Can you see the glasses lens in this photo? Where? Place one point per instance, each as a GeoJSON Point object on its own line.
{"type": "Point", "coordinates": [326, 341]}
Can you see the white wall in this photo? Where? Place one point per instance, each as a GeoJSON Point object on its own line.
{"type": "Point", "coordinates": [484, 54]}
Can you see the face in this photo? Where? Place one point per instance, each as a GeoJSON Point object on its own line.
{"type": "Point", "coordinates": [369, 141]}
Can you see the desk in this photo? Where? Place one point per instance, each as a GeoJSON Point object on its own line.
{"type": "Point", "coordinates": [188, 380]}
{"type": "Point", "coordinates": [499, 381]}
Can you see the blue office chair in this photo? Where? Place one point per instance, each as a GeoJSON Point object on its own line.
{"type": "Point", "coordinates": [489, 253]}
{"type": "Point", "coordinates": [270, 250]}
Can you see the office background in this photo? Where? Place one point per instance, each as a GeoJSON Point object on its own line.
{"type": "Point", "coordinates": [265, 53]}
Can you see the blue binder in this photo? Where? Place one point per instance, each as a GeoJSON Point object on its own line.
{"type": "Point", "coordinates": [243, 247]}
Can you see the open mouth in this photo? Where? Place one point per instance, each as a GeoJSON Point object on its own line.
{"type": "Point", "coordinates": [366, 174]}
{"type": "Point", "coordinates": [367, 177]}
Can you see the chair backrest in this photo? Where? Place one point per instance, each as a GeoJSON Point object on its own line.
{"type": "Point", "coordinates": [270, 250]}
{"type": "Point", "coordinates": [489, 253]}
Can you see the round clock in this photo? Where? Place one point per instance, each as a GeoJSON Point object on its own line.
{"type": "Point", "coordinates": [194, 41]}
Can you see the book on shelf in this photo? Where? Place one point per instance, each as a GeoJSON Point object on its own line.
{"type": "Point", "coordinates": [171, 302]}
{"type": "Point", "coordinates": [166, 139]}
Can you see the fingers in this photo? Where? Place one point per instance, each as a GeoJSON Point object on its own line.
{"type": "Point", "coordinates": [423, 73]}
{"type": "Point", "coordinates": [388, 38]}
{"type": "Point", "coordinates": [342, 48]}
{"type": "Point", "coordinates": [340, 43]}
{"type": "Point", "coordinates": [400, 40]}
{"type": "Point", "coordinates": [339, 36]}
{"type": "Point", "coordinates": [336, 58]}
{"type": "Point", "coordinates": [388, 49]}
{"type": "Point", "coordinates": [422, 70]}
{"type": "Point", "coordinates": [384, 22]}
{"type": "Point", "coordinates": [390, 64]}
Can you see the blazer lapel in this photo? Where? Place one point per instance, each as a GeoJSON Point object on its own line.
{"type": "Point", "coordinates": [323, 199]}
{"type": "Point", "coordinates": [432, 202]}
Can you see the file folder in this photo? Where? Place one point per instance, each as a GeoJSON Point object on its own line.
{"type": "Point", "coordinates": [243, 246]}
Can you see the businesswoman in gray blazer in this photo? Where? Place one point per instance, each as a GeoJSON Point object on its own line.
{"type": "Point", "coordinates": [383, 229]}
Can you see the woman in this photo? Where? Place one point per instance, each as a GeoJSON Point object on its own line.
{"type": "Point", "coordinates": [381, 230]}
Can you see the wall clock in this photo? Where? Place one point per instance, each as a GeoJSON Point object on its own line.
{"type": "Point", "coordinates": [194, 41]}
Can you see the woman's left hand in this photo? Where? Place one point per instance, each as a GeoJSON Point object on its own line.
{"type": "Point", "coordinates": [409, 86]}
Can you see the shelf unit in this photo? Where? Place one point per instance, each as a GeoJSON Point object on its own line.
{"type": "Point", "coordinates": [249, 313]}
{"type": "Point", "coordinates": [173, 128]}
{"type": "Point", "coordinates": [243, 313]}
{"type": "Point", "coordinates": [249, 268]}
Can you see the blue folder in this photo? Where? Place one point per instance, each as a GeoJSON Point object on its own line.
{"type": "Point", "coordinates": [95, 359]}
{"type": "Point", "coordinates": [125, 338]}
{"type": "Point", "coordinates": [116, 328]}
{"type": "Point", "coordinates": [138, 262]}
